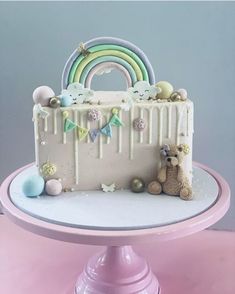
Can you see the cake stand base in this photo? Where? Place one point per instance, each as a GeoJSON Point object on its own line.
{"type": "Point", "coordinates": [117, 270]}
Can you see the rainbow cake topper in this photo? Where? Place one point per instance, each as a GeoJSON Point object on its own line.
{"type": "Point", "coordinates": [106, 52]}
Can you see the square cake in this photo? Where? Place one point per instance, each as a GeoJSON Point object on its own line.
{"type": "Point", "coordinates": [89, 140]}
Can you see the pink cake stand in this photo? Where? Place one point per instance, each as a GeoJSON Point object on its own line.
{"type": "Point", "coordinates": [118, 270]}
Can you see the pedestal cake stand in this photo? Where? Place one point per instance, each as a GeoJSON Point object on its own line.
{"type": "Point", "coordinates": [117, 220]}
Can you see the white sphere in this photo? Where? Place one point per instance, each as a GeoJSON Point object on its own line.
{"type": "Point", "coordinates": [42, 95]}
{"type": "Point", "coordinates": [53, 187]}
{"type": "Point", "coordinates": [183, 93]}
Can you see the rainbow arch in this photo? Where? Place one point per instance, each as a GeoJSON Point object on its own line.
{"type": "Point", "coordinates": [108, 52]}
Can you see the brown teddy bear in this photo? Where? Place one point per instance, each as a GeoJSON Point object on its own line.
{"type": "Point", "coordinates": [171, 178]}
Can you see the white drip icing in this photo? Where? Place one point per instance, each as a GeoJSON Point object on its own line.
{"type": "Point", "coordinates": [63, 132]}
{"type": "Point", "coordinates": [131, 147]}
{"type": "Point", "coordinates": [160, 110]}
{"type": "Point", "coordinates": [75, 113]}
{"type": "Point", "coordinates": [36, 130]}
{"type": "Point", "coordinates": [178, 122]}
{"type": "Point", "coordinates": [120, 134]}
{"type": "Point", "coordinates": [81, 119]}
{"type": "Point", "coordinates": [141, 135]}
{"type": "Point", "coordinates": [188, 118]}
{"type": "Point", "coordinates": [36, 126]}
{"type": "Point", "coordinates": [107, 121]}
{"type": "Point", "coordinates": [169, 114]}
{"type": "Point", "coordinates": [150, 126]}
{"type": "Point", "coordinates": [45, 124]}
{"type": "Point", "coordinates": [100, 141]}
{"type": "Point", "coordinates": [88, 127]}
{"type": "Point", "coordinates": [55, 121]}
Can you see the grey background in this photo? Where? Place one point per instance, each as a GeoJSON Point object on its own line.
{"type": "Point", "coordinates": [190, 44]}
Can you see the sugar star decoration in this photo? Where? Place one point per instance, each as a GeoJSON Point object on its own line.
{"type": "Point", "coordinates": [40, 111]}
{"type": "Point", "coordinates": [110, 188]}
{"type": "Point", "coordinates": [125, 106]}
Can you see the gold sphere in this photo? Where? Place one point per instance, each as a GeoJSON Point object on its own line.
{"type": "Point", "coordinates": [54, 102]}
{"type": "Point", "coordinates": [137, 185]}
{"type": "Point", "coordinates": [175, 96]}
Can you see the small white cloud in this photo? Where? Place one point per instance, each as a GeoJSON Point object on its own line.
{"type": "Point", "coordinates": [142, 91]}
{"type": "Point", "coordinates": [78, 93]}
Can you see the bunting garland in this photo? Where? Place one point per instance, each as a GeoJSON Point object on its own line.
{"type": "Point", "coordinates": [106, 130]}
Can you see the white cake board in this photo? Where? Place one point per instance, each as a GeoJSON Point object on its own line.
{"type": "Point", "coordinates": [120, 210]}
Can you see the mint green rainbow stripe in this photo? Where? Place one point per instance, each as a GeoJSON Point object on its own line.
{"type": "Point", "coordinates": [104, 59]}
{"type": "Point", "coordinates": [109, 50]}
{"type": "Point", "coordinates": [108, 53]}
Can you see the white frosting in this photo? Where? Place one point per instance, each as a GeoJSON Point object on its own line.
{"type": "Point", "coordinates": [120, 134]}
{"type": "Point", "coordinates": [84, 165]}
{"type": "Point", "coordinates": [150, 132]}
{"type": "Point", "coordinates": [76, 164]}
{"type": "Point", "coordinates": [100, 141]}
{"type": "Point", "coordinates": [131, 130]}
{"type": "Point", "coordinates": [141, 133]}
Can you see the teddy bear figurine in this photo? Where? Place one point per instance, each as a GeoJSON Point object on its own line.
{"type": "Point", "coordinates": [171, 177]}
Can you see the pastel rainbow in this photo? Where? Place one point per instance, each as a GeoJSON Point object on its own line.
{"type": "Point", "coordinates": [76, 68]}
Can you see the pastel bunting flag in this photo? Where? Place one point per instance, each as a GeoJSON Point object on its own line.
{"type": "Point", "coordinates": [107, 130]}
{"type": "Point", "coordinates": [82, 132]}
{"type": "Point", "coordinates": [93, 134]}
{"type": "Point", "coordinates": [42, 113]}
{"type": "Point", "coordinates": [69, 125]}
{"type": "Point", "coordinates": [115, 121]}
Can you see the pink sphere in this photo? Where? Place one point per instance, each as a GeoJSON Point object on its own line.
{"type": "Point", "coordinates": [53, 187]}
{"type": "Point", "coordinates": [183, 93]}
{"type": "Point", "coordinates": [42, 95]}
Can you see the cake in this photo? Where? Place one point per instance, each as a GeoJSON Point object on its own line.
{"type": "Point", "coordinates": [92, 140]}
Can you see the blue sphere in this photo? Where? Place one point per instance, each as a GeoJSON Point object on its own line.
{"type": "Point", "coordinates": [33, 186]}
{"type": "Point", "coordinates": [66, 101]}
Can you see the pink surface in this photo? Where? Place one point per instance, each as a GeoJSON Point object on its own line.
{"type": "Point", "coordinates": [199, 264]}
{"type": "Point", "coordinates": [118, 270]}
{"type": "Point", "coordinates": [118, 238]}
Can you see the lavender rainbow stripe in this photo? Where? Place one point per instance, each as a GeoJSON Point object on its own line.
{"type": "Point", "coordinates": [103, 66]}
{"type": "Point", "coordinates": [107, 41]}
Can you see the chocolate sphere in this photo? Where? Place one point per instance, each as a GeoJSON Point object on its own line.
{"type": "Point", "coordinates": [137, 185]}
{"type": "Point", "coordinates": [54, 102]}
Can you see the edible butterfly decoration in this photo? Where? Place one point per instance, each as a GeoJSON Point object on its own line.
{"type": "Point", "coordinates": [110, 188]}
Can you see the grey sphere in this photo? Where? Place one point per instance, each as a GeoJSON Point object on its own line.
{"type": "Point", "coordinates": [137, 185]}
